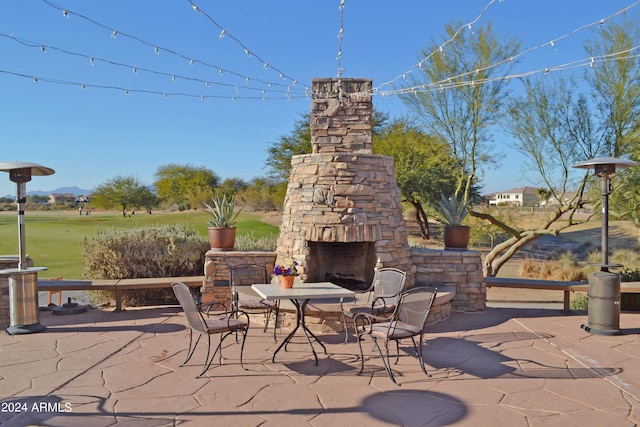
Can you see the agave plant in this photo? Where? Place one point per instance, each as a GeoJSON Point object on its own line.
{"type": "Point", "coordinates": [452, 210]}
{"type": "Point", "coordinates": [222, 211]}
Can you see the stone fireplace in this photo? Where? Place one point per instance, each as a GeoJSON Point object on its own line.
{"type": "Point", "coordinates": [342, 215]}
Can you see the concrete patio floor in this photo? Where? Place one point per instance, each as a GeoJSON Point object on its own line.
{"type": "Point", "coordinates": [504, 367]}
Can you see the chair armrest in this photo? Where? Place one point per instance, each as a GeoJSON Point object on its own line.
{"type": "Point", "coordinates": [367, 320]}
{"type": "Point", "coordinates": [211, 304]}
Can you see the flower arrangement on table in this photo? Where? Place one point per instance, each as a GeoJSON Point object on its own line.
{"type": "Point", "coordinates": [287, 274]}
{"type": "Point", "coordinates": [281, 270]}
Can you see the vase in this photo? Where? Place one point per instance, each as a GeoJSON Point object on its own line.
{"type": "Point", "coordinates": [456, 238]}
{"type": "Point", "coordinates": [222, 238]}
{"type": "Point", "coordinates": [287, 281]}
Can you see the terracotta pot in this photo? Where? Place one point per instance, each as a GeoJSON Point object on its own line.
{"type": "Point", "coordinates": [456, 238]}
{"type": "Point", "coordinates": [222, 237]}
{"type": "Point", "coordinates": [287, 281]}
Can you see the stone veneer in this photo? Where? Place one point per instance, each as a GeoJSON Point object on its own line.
{"type": "Point", "coordinates": [462, 269]}
{"type": "Point", "coordinates": [342, 212]}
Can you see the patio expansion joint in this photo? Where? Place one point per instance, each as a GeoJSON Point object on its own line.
{"type": "Point", "coordinates": [593, 365]}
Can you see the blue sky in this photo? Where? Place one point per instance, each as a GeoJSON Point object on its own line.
{"type": "Point", "coordinates": [92, 134]}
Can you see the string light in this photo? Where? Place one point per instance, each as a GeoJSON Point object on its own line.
{"type": "Point", "coordinates": [225, 33]}
{"type": "Point", "coordinates": [127, 91]}
{"type": "Point", "coordinates": [136, 70]}
{"type": "Point", "coordinates": [451, 82]}
{"type": "Point", "coordinates": [191, 60]}
{"type": "Point", "coordinates": [526, 51]}
{"type": "Point", "coordinates": [441, 47]}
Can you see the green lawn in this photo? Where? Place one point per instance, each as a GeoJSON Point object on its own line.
{"type": "Point", "coordinates": [53, 238]}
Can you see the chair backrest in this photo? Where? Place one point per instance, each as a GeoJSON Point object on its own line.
{"type": "Point", "coordinates": [188, 304]}
{"type": "Point", "coordinates": [414, 305]}
{"type": "Point", "coordinates": [388, 283]}
{"type": "Point", "coordinates": [247, 274]}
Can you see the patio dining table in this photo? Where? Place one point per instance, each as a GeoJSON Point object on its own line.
{"type": "Point", "coordinates": [300, 295]}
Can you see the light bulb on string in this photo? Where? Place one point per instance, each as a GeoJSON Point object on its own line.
{"type": "Point", "coordinates": [84, 87]}
{"type": "Point", "coordinates": [126, 91]}
{"type": "Point", "coordinates": [156, 50]}
{"type": "Point", "coordinates": [237, 88]}
{"type": "Point", "coordinates": [592, 64]}
{"type": "Point", "coordinates": [42, 49]}
{"type": "Point", "coordinates": [246, 80]}
{"type": "Point", "coordinates": [165, 96]}
{"type": "Point", "coordinates": [135, 70]}
{"type": "Point", "coordinates": [35, 79]}
{"type": "Point", "coordinates": [220, 71]}
{"type": "Point", "coordinates": [222, 34]}
{"type": "Point", "coordinates": [65, 13]}
{"type": "Point", "coordinates": [91, 60]}
{"type": "Point", "coordinates": [192, 62]}
{"type": "Point", "coordinates": [206, 84]}
{"type": "Point", "coordinates": [173, 77]}
{"type": "Point", "coordinates": [201, 97]}
{"type": "Point", "coordinates": [114, 34]}
{"type": "Point", "coordinates": [265, 66]}
{"type": "Point", "coordinates": [233, 99]}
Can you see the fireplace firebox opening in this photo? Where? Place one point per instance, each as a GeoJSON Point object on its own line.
{"type": "Point", "coordinates": [350, 265]}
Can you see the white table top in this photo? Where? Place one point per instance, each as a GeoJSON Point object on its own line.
{"type": "Point", "coordinates": [300, 291]}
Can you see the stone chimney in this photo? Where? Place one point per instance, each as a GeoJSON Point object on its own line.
{"type": "Point", "coordinates": [342, 215]}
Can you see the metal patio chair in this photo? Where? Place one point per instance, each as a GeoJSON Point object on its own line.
{"type": "Point", "coordinates": [408, 321]}
{"type": "Point", "coordinates": [245, 275]}
{"type": "Point", "coordinates": [382, 297]}
{"type": "Point", "coordinates": [202, 321]}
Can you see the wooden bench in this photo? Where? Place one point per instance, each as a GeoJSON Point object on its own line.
{"type": "Point", "coordinates": [566, 286]}
{"type": "Point", "coordinates": [117, 286]}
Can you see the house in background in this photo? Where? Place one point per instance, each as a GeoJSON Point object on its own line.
{"type": "Point", "coordinates": [523, 196]}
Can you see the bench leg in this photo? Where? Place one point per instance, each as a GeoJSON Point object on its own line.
{"type": "Point", "coordinates": [566, 304]}
{"type": "Point", "coordinates": [118, 294]}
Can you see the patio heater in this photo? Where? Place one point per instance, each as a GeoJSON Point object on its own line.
{"type": "Point", "coordinates": [604, 286]}
{"type": "Point", "coordinates": [23, 281]}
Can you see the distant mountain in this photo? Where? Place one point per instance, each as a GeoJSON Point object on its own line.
{"type": "Point", "coordinates": [76, 191]}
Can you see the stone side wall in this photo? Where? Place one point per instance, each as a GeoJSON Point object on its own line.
{"type": "Point", "coordinates": [216, 271]}
{"type": "Point", "coordinates": [462, 269]}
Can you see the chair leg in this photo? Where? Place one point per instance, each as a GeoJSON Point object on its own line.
{"type": "Point", "coordinates": [343, 319]}
{"type": "Point", "coordinates": [420, 355]}
{"type": "Point", "coordinates": [385, 360]}
{"type": "Point", "coordinates": [191, 350]}
{"type": "Point", "coordinates": [244, 339]}
{"type": "Point", "coordinates": [207, 360]}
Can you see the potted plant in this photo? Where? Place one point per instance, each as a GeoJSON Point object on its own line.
{"type": "Point", "coordinates": [452, 212]}
{"type": "Point", "coordinates": [223, 217]}
{"type": "Point", "coordinates": [287, 274]}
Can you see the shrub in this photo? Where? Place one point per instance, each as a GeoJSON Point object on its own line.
{"type": "Point", "coordinates": [580, 302]}
{"type": "Point", "coordinates": [564, 268]}
{"type": "Point", "coordinates": [248, 242]}
{"type": "Point", "coordinates": [161, 251]}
